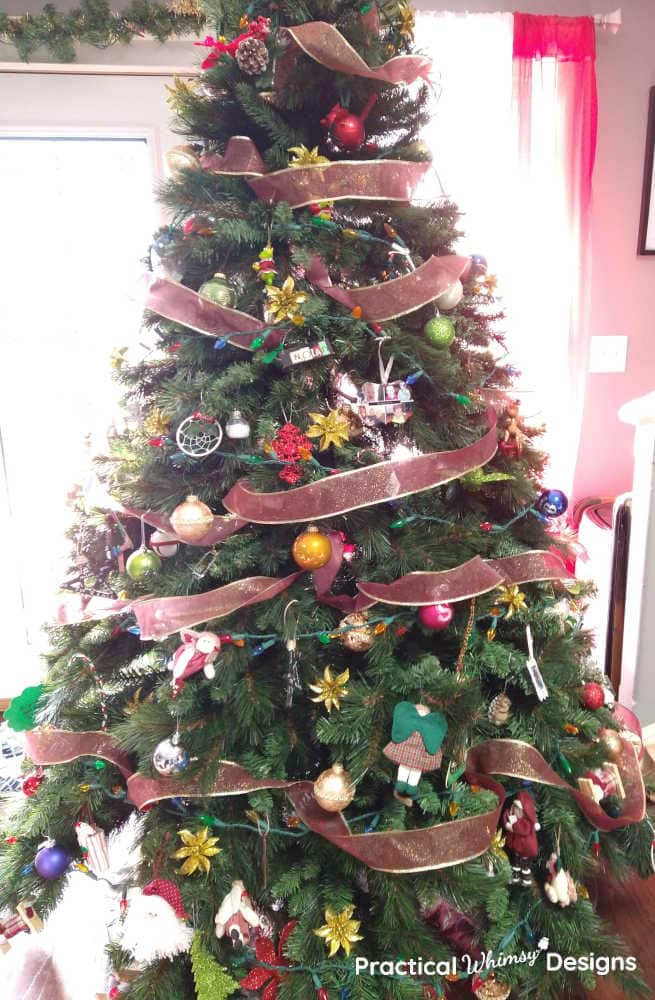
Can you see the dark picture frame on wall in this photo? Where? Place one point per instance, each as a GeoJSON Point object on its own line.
{"type": "Point", "coordinates": [647, 221]}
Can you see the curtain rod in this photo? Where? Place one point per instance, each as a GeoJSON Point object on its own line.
{"type": "Point", "coordinates": [610, 22]}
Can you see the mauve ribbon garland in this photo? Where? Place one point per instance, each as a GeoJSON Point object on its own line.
{"type": "Point", "coordinates": [400, 852]}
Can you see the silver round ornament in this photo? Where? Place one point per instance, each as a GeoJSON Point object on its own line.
{"type": "Point", "coordinates": [451, 297]}
{"type": "Point", "coordinates": [237, 428]}
{"type": "Point", "coordinates": [169, 757]}
{"type": "Point", "coordinates": [164, 544]}
{"type": "Point", "coordinates": [198, 435]}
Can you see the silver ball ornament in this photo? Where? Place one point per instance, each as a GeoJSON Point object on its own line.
{"type": "Point", "coordinates": [451, 297]}
{"type": "Point", "coordinates": [169, 757]}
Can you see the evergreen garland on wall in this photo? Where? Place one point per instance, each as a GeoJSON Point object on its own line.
{"type": "Point", "coordinates": [94, 23]}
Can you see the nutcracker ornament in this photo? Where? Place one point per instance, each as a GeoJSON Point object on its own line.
{"type": "Point", "coordinates": [237, 919]}
{"type": "Point", "coordinates": [416, 738]}
{"type": "Point", "coordinates": [521, 827]}
{"type": "Point", "coordinates": [197, 652]}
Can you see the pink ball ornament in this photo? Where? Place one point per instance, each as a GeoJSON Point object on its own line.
{"type": "Point", "coordinates": [436, 616]}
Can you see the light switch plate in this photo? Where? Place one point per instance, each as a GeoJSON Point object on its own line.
{"type": "Point", "coordinates": [608, 354]}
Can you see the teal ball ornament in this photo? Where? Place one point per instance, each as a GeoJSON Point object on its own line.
{"type": "Point", "coordinates": [142, 564]}
{"type": "Point", "coordinates": [439, 331]}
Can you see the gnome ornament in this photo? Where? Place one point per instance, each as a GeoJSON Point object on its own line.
{"type": "Point", "coordinates": [521, 826]}
{"type": "Point", "coordinates": [197, 652]}
{"type": "Point", "coordinates": [416, 738]}
{"type": "Point", "coordinates": [236, 918]}
{"type": "Point", "coordinates": [155, 926]}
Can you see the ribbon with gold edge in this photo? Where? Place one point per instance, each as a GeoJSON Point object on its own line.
{"type": "Point", "coordinates": [368, 180]}
{"type": "Point", "coordinates": [182, 305]}
{"type": "Point", "coordinates": [159, 617]}
{"type": "Point", "coordinates": [326, 45]}
{"type": "Point", "coordinates": [391, 299]}
{"type": "Point", "coordinates": [358, 488]}
{"type": "Point", "coordinates": [472, 578]}
{"type": "Point", "coordinates": [73, 609]}
{"type": "Point", "coordinates": [397, 851]}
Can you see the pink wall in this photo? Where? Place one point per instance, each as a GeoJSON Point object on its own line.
{"type": "Point", "coordinates": [623, 284]}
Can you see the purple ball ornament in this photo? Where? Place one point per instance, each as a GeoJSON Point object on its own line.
{"type": "Point", "coordinates": [51, 860]}
{"type": "Point", "coordinates": [436, 616]}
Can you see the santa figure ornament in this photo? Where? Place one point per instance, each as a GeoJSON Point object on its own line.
{"type": "Point", "coordinates": [197, 652]}
{"type": "Point", "coordinates": [236, 918]}
{"type": "Point", "coordinates": [521, 826]}
{"type": "Point", "coordinates": [416, 738]}
{"type": "Point", "coordinates": [155, 926]}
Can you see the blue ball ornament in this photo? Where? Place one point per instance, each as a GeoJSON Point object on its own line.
{"type": "Point", "coordinates": [552, 503]}
{"type": "Point", "coordinates": [51, 860]}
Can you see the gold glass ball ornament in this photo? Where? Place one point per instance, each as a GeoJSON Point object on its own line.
{"type": "Point", "coordinates": [359, 636]}
{"type": "Point", "coordinates": [333, 789]}
{"type": "Point", "coordinates": [491, 989]}
{"type": "Point", "coordinates": [181, 158]}
{"type": "Point", "coordinates": [219, 290]}
{"type": "Point", "coordinates": [192, 519]}
{"type": "Point", "coordinates": [612, 743]}
{"type": "Point", "coordinates": [312, 549]}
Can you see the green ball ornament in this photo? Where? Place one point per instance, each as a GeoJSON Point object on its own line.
{"type": "Point", "coordinates": [218, 290]}
{"type": "Point", "coordinates": [142, 564]}
{"type": "Point", "coordinates": [440, 331]}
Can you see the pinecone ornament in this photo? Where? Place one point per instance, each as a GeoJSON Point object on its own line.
{"type": "Point", "coordinates": [252, 56]}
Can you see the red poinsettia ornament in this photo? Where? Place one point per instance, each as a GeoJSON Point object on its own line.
{"type": "Point", "coordinates": [265, 952]}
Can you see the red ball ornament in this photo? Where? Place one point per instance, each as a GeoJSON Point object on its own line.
{"type": "Point", "coordinates": [593, 696]}
{"type": "Point", "coordinates": [348, 131]}
{"type": "Point", "coordinates": [322, 994]}
{"type": "Point", "coordinates": [436, 616]}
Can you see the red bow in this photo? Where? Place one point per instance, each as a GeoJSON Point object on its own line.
{"type": "Point", "coordinates": [265, 952]}
{"type": "Point", "coordinates": [261, 28]}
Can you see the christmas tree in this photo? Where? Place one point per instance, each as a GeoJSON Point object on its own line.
{"type": "Point", "coordinates": [321, 635]}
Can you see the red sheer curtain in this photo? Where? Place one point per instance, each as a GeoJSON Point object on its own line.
{"type": "Point", "coordinates": [557, 111]}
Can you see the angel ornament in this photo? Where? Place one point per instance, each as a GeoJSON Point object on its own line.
{"type": "Point", "coordinates": [416, 738]}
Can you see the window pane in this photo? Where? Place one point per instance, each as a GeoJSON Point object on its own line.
{"type": "Point", "coordinates": [78, 215]}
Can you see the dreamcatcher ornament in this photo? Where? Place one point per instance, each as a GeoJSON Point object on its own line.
{"type": "Point", "coordinates": [199, 435]}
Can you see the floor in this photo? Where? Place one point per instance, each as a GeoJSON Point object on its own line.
{"type": "Point", "coordinates": [629, 910]}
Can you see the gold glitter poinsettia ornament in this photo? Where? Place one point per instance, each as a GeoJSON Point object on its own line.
{"type": "Point", "coordinates": [330, 690]}
{"type": "Point", "coordinates": [513, 598]}
{"type": "Point", "coordinates": [407, 20]}
{"type": "Point", "coordinates": [303, 157]}
{"type": "Point", "coordinates": [157, 423]}
{"type": "Point", "coordinates": [285, 302]}
{"type": "Point", "coordinates": [331, 428]}
{"type": "Point", "coordinates": [197, 850]}
{"type": "Point", "coordinates": [340, 930]}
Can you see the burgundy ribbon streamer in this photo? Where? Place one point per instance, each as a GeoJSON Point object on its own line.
{"type": "Point", "coordinates": [375, 180]}
{"type": "Point", "coordinates": [182, 305]}
{"type": "Point", "coordinates": [403, 295]}
{"type": "Point", "coordinates": [326, 45]}
{"type": "Point", "coordinates": [397, 851]}
{"type": "Point", "coordinates": [159, 617]}
{"type": "Point", "coordinates": [77, 608]}
{"type": "Point", "coordinates": [472, 578]}
{"type": "Point", "coordinates": [358, 488]}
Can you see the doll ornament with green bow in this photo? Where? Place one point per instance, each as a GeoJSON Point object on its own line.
{"type": "Point", "coordinates": [416, 738]}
